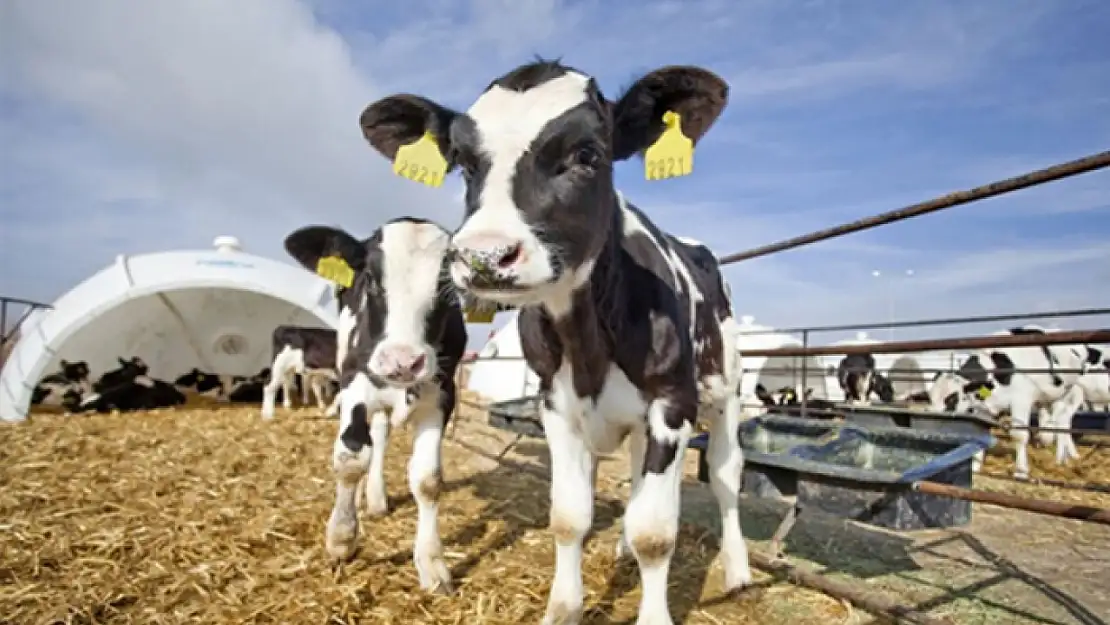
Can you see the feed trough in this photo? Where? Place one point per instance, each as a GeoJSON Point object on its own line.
{"type": "Point", "coordinates": [865, 474]}
{"type": "Point", "coordinates": [517, 415]}
{"type": "Point", "coordinates": [1090, 421]}
{"type": "Point", "coordinates": [897, 416]}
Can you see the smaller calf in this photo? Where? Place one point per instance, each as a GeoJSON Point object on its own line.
{"type": "Point", "coordinates": [859, 380]}
{"type": "Point", "coordinates": [310, 352]}
{"type": "Point", "coordinates": [139, 392]}
{"type": "Point", "coordinates": [128, 370]}
{"type": "Point", "coordinates": [788, 396]}
{"type": "Point", "coordinates": [64, 387]}
{"type": "Point", "coordinates": [407, 339]}
{"type": "Point", "coordinates": [203, 383]}
{"type": "Point", "coordinates": [249, 390]}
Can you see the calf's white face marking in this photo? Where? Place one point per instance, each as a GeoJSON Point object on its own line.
{"type": "Point", "coordinates": [412, 255]}
{"type": "Point", "coordinates": [507, 122]}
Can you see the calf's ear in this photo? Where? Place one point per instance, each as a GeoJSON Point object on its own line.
{"type": "Point", "coordinates": [401, 119]}
{"type": "Point", "coordinates": [311, 243]}
{"type": "Point", "coordinates": [697, 95]}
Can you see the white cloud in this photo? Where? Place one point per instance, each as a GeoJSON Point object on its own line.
{"type": "Point", "coordinates": [133, 126]}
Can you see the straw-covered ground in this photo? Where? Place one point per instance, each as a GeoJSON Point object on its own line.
{"type": "Point", "coordinates": [213, 516]}
{"type": "Point", "coordinates": [206, 515]}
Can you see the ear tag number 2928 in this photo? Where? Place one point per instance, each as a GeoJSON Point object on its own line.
{"type": "Point", "coordinates": [337, 270]}
{"type": "Point", "coordinates": [421, 161]}
{"type": "Point", "coordinates": [672, 155]}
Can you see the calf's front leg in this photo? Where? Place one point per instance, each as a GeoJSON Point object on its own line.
{"type": "Point", "coordinates": [651, 521]}
{"type": "Point", "coordinates": [377, 500]}
{"type": "Point", "coordinates": [572, 512]}
{"type": "Point", "coordinates": [726, 463]}
{"type": "Point", "coordinates": [350, 460]}
{"type": "Point", "coordinates": [425, 482]}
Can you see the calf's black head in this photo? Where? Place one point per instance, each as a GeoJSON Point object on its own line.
{"type": "Point", "coordinates": [536, 152]}
{"type": "Point", "coordinates": [74, 371]}
{"type": "Point", "coordinates": [403, 295]}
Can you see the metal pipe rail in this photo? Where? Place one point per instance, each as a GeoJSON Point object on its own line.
{"type": "Point", "coordinates": [1089, 514]}
{"type": "Point", "coordinates": [901, 375]}
{"type": "Point", "coordinates": [942, 321]}
{"type": "Point", "coordinates": [966, 343]}
{"type": "Point", "coordinates": [5, 333]}
{"type": "Point", "coordinates": [1056, 172]}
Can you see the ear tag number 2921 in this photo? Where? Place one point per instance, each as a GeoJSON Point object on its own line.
{"type": "Point", "coordinates": [672, 155]}
{"type": "Point", "coordinates": [421, 161]}
{"type": "Point", "coordinates": [337, 270]}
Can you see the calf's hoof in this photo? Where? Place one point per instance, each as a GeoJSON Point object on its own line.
{"type": "Point", "coordinates": [654, 619]}
{"type": "Point", "coordinates": [562, 614]}
{"type": "Point", "coordinates": [434, 576]}
{"type": "Point", "coordinates": [375, 509]}
{"type": "Point", "coordinates": [341, 538]}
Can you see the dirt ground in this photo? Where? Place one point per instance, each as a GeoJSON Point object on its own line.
{"type": "Point", "coordinates": [212, 516]}
{"type": "Point", "coordinates": [1007, 567]}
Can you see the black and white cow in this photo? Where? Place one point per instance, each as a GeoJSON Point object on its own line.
{"type": "Point", "coordinates": [128, 388]}
{"type": "Point", "coordinates": [406, 343]}
{"type": "Point", "coordinates": [309, 352]}
{"type": "Point", "coordinates": [63, 387]}
{"type": "Point", "coordinates": [236, 389]}
{"type": "Point", "coordinates": [859, 380]}
{"type": "Point", "coordinates": [999, 380]}
{"type": "Point", "coordinates": [128, 370]}
{"type": "Point", "coordinates": [626, 326]}
{"type": "Point", "coordinates": [788, 396]}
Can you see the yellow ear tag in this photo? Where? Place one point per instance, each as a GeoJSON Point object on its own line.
{"type": "Point", "coordinates": [480, 314]}
{"type": "Point", "coordinates": [984, 392]}
{"type": "Point", "coordinates": [337, 270]}
{"type": "Point", "coordinates": [421, 161]}
{"type": "Point", "coordinates": [200, 377]}
{"type": "Point", "coordinates": [673, 154]}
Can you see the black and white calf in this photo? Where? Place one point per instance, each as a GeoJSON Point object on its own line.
{"type": "Point", "coordinates": [788, 396]}
{"type": "Point", "coordinates": [859, 380]}
{"type": "Point", "coordinates": [309, 352]}
{"type": "Point", "coordinates": [405, 345]}
{"type": "Point", "coordinates": [1001, 380]}
{"type": "Point", "coordinates": [65, 387]}
{"type": "Point", "coordinates": [129, 387]}
{"type": "Point", "coordinates": [626, 326]}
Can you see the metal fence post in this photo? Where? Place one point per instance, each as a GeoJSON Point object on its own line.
{"type": "Point", "coordinates": [805, 371]}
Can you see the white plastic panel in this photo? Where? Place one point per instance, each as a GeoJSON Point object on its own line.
{"type": "Point", "coordinates": [227, 304]}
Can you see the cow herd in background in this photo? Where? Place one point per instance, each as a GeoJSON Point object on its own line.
{"type": "Point", "coordinates": [1055, 380]}
{"type": "Point", "coordinates": [296, 367]}
{"type": "Point", "coordinates": [629, 329]}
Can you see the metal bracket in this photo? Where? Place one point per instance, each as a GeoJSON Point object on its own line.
{"type": "Point", "coordinates": [787, 524]}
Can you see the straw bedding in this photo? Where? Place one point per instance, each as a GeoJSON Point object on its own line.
{"type": "Point", "coordinates": [1092, 467]}
{"type": "Point", "coordinates": [200, 515]}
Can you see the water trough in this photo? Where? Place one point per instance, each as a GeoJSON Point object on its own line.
{"type": "Point", "coordinates": [859, 472]}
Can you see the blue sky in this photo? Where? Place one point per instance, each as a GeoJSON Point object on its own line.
{"type": "Point", "coordinates": [133, 127]}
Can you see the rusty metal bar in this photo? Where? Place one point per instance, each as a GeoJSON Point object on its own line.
{"type": "Point", "coordinates": [905, 374]}
{"type": "Point", "coordinates": [795, 409]}
{"type": "Point", "coordinates": [787, 524]}
{"type": "Point", "coordinates": [949, 200]}
{"type": "Point", "coordinates": [966, 343]}
{"type": "Point", "coordinates": [1051, 508]}
{"type": "Point", "coordinates": [942, 321]}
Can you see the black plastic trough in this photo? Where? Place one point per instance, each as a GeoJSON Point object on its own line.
{"type": "Point", "coordinates": [847, 469]}
{"type": "Point", "coordinates": [1090, 421]}
{"type": "Point", "coordinates": [517, 415]}
{"type": "Point", "coordinates": [860, 473]}
{"type": "Point", "coordinates": [894, 416]}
